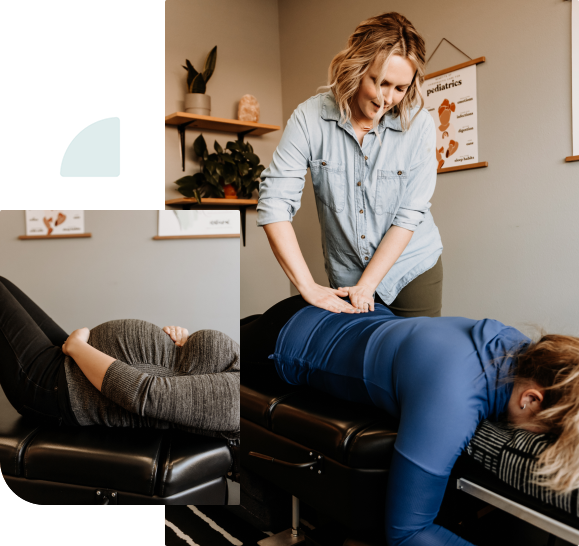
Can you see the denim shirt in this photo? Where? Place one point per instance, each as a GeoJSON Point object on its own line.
{"type": "Point", "coordinates": [360, 190]}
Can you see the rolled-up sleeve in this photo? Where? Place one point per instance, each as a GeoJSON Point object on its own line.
{"type": "Point", "coordinates": [280, 191]}
{"type": "Point", "coordinates": [206, 401]}
{"type": "Point", "coordinates": [421, 180]}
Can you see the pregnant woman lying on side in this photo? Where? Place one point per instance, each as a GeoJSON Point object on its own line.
{"type": "Point", "coordinates": [123, 373]}
{"type": "Point", "coordinates": [440, 377]}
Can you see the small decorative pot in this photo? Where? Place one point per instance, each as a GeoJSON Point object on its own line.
{"type": "Point", "coordinates": [198, 103]}
{"type": "Point", "coordinates": [230, 192]}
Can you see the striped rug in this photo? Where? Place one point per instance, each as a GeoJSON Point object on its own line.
{"type": "Point", "coordinates": [207, 526]}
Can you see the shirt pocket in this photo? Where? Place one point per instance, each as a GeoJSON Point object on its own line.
{"type": "Point", "coordinates": [390, 186]}
{"type": "Point", "coordinates": [329, 180]}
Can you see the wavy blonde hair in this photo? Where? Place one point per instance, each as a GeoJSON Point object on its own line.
{"type": "Point", "coordinates": [378, 37]}
{"type": "Point", "coordinates": [553, 363]}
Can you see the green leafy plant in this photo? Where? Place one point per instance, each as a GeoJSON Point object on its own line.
{"type": "Point", "coordinates": [197, 81]}
{"type": "Point", "coordinates": [236, 166]}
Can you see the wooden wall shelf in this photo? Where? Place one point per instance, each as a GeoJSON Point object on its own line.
{"type": "Point", "coordinates": [183, 120]}
{"type": "Point", "coordinates": [572, 158]}
{"type": "Point", "coordinates": [67, 236]}
{"type": "Point", "coordinates": [210, 123]}
{"type": "Point", "coordinates": [463, 167]}
{"type": "Point", "coordinates": [211, 201]}
{"type": "Point", "coordinates": [212, 236]}
{"type": "Point", "coordinates": [186, 203]}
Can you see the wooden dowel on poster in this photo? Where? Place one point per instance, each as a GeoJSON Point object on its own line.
{"type": "Point", "coordinates": [455, 67]}
{"type": "Point", "coordinates": [63, 236]}
{"type": "Point", "coordinates": [463, 167]}
{"type": "Point", "coordinates": [572, 158]}
{"type": "Point", "coordinates": [212, 236]}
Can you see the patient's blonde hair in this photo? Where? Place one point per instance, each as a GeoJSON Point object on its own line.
{"type": "Point", "coordinates": [553, 363]}
{"type": "Point", "coordinates": [378, 37]}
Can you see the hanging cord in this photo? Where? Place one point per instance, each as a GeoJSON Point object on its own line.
{"type": "Point", "coordinates": [445, 40]}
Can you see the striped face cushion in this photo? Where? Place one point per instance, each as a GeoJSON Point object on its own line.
{"type": "Point", "coordinates": [511, 454]}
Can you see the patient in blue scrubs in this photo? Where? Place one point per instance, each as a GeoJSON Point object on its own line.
{"type": "Point", "coordinates": [439, 376]}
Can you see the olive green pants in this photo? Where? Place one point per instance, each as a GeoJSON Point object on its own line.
{"type": "Point", "coordinates": [421, 297]}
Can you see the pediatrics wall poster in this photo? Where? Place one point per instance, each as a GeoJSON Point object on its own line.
{"type": "Point", "coordinates": [54, 222]}
{"type": "Point", "coordinates": [451, 100]}
{"type": "Point", "coordinates": [199, 223]}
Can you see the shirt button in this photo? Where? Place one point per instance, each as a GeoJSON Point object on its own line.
{"type": "Point", "coordinates": [399, 173]}
{"type": "Point", "coordinates": [361, 211]}
{"type": "Point", "coordinates": [366, 258]}
{"type": "Point", "coordinates": [363, 236]}
{"type": "Point", "coordinates": [324, 164]}
{"type": "Point", "coordinates": [359, 184]}
{"type": "Point", "coordinates": [366, 157]}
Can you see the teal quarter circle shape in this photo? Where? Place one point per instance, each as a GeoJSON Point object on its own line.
{"type": "Point", "coordinates": [95, 151]}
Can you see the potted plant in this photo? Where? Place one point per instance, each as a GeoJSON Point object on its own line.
{"type": "Point", "coordinates": [196, 101]}
{"type": "Point", "coordinates": [231, 173]}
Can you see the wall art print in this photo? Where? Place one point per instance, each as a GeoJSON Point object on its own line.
{"type": "Point", "coordinates": [54, 222]}
{"type": "Point", "coordinates": [452, 101]}
{"type": "Point", "coordinates": [208, 223]}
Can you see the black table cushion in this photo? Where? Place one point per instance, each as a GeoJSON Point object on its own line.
{"type": "Point", "coordinates": [142, 461]}
{"type": "Point", "coordinates": [285, 422]}
{"type": "Point", "coordinates": [356, 435]}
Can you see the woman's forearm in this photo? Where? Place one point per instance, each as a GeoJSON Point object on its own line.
{"type": "Point", "coordinates": [91, 361]}
{"type": "Point", "coordinates": [388, 251]}
{"type": "Point", "coordinates": [284, 243]}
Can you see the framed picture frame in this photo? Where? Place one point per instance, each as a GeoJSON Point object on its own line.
{"type": "Point", "coordinates": [451, 99]}
{"type": "Point", "coordinates": [54, 224]}
{"type": "Point", "coordinates": [198, 224]}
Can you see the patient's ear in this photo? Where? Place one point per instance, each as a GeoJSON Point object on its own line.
{"type": "Point", "coordinates": [532, 398]}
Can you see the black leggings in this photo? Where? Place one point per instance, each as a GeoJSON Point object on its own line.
{"type": "Point", "coordinates": [259, 335]}
{"type": "Point", "coordinates": [31, 358]}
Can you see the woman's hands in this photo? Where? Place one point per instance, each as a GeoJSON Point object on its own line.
{"type": "Point", "coordinates": [177, 334]}
{"type": "Point", "coordinates": [361, 296]}
{"type": "Point", "coordinates": [78, 336]}
{"type": "Point", "coordinates": [328, 298]}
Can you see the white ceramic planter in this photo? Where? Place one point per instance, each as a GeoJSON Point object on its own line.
{"type": "Point", "coordinates": [198, 103]}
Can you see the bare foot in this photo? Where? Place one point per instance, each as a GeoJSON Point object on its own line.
{"type": "Point", "coordinates": [47, 224]}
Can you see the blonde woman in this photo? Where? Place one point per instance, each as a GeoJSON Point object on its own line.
{"type": "Point", "coordinates": [370, 148]}
{"type": "Point", "coordinates": [440, 377]}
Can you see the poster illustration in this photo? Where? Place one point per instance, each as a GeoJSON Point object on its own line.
{"type": "Point", "coordinates": [54, 222]}
{"type": "Point", "coordinates": [451, 100]}
{"type": "Point", "coordinates": [198, 222]}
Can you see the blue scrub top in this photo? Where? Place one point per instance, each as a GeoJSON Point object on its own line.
{"type": "Point", "coordinates": [439, 376]}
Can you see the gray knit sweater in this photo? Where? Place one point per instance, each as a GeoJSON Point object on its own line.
{"type": "Point", "coordinates": [154, 383]}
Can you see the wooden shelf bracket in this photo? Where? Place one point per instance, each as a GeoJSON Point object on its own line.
{"type": "Point", "coordinates": [181, 130]}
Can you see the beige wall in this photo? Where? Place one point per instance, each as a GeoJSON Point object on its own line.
{"type": "Point", "coordinates": [510, 231]}
{"type": "Point", "coordinates": [247, 38]}
{"type": "Point", "coordinates": [121, 272]}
